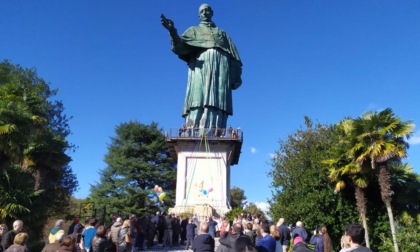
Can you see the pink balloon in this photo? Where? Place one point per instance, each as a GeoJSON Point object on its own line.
{"type": "Point", "coordinates": [211, 189]}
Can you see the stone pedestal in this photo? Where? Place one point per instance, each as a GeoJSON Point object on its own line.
{"type": "Point", "coordinates": [203, 172]}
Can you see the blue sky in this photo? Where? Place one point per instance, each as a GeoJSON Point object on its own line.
{"type": "Point", "coordinates": [111, 61]}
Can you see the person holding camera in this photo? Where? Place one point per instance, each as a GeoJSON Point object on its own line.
{"type": "Point", "coordinates": [321, 240]}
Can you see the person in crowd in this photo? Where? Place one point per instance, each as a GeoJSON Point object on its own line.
{"type": "Point", "coordinates": [321, 240]}
{"type": "Point", "coordinates": [236, 241]}
{"type": "Point", "coordinates": [190, 233]}
{"type": "Point", "coordinates": [299, 245]}
{"type": "Point", "coordinates": [184, 224]}
{"type": "Point", "coordinates": [124, 237]}
{"type": "Point", "coordinates": [88, 234]}
{"type": "Point", "coordinates": [57, 231]}
{"type": "Point", "coordinates": [161, 227]}
{"type": "Point", "coordinates": [3, 231]}
{"type": "Point", "coordinates": [355, 234]}
{"type": "Point", "coordinates": [141, 232]}
{"type": "Point", "coordinates": [300, 231]}
{"type": "Point", "coordinates": [115, 229]}
{"type": "Point", "coordinates": [256, 228]}
{"type": "Point", "coordinates": [53, 247]}
{"type": "Point", "coordinates": [284, 234]}
{"type": "Point", "coordinates": [151, 231]}
{"type": "Point", "coordinates": [252, 234]}
{"type": "Point", "coordinates": [133, 230]}
{"type": "Point", "coordinates": [114, 218]}
{"type": "Point", "coordinates": [345, 245]}
{"type": "Point", "coordinates": [203, 242]}
{"type": "Point", "coordinates": [8, 238]}
{"type": "Point", "coordinates": [212, 227]}
{"type": "Point", "coordinates": [101, 243]}
{"type": "Point", "coordinates": [67, 245]}
{"type": "Point", "coordinates": [225, 226]}
{"type": "Point", "coordinates": [274, 232]}
{"type": "Point", "coordinates": [266, 243]}
{"type": "Point", "coordinates": [168, 231]}
{"type": "Point", "coordinates": [176, 231]}
{"type": "Point", "coordinates": [19, 243]}
{"type": "Point", "coordinates": [73, 224]}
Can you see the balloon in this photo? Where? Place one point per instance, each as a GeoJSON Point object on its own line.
{"type": "Point", "coordinates": [162, 196]}
{"type": "Point", "coordinates": [153, 199]}
{"type": "Point", "coordinates": [156, 189]}
{"type": "Point", "coordinates": [204, 192]}
{"type": "Point", "coordinates": [160, 189]}
{"type": "Point", "coordinates": [211, 189]}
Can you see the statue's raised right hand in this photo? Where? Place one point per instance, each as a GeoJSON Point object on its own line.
{"type": "Point", "coordinates": [167, 23]}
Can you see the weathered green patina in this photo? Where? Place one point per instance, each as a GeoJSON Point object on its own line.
{"type": "Point", "coordinates": [214, 70]}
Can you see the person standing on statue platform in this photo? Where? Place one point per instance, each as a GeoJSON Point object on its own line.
{"type": "Point", "coordinates": [214, 70]}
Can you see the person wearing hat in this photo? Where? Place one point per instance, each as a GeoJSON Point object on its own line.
{"type": "Point", "coordinates": [299, 245]}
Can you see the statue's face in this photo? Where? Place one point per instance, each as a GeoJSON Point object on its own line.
{"type": "Point", "coordinates": [205, 13]}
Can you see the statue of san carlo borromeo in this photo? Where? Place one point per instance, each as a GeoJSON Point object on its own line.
{"type": "Point", "coordinates": [214, 70]}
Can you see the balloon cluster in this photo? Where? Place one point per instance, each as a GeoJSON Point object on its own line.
{"type": "Point", "coordinates": [157, 195]}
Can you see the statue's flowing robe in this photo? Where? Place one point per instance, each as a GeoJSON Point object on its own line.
{"type": "Point", "coordinates": [214, 70]}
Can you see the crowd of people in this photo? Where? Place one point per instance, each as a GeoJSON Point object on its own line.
{"type": "Point", "coordinates": [245, 233]}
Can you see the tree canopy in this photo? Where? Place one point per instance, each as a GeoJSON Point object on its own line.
{"type": "Point", "coordinates": [34, 164]}
{"type": "Point", "coordinates": [137, 160]}
{"type": "Point", "coordinates": [237, 197]}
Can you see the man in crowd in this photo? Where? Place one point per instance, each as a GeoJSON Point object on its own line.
{"type": "Point", "coordinates": [89, 233]}
{"type": "Point", "coordinates": [115, 229]}
{"type": "Point", "coordinates": [355, 235]}
{"type": "Point", "coordinates": [284, 234]}
{"type": "Point", "coordinates": [212, 227]}
{"type": "Point", "coordinates": [234, 242]}
{"type": "Point", "coordinates": [299, 231]}
{"type": "Point", "coordinates": [7, 239]}
{"type": "Point", "coordinates": [203, 242]}
{"type": "Point", "coordinates": [266, 243]}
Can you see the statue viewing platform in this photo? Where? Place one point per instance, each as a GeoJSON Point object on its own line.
{"type": "Point", "coordinates": [213, 136]}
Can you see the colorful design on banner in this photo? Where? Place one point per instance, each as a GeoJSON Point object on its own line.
{"type": "Point", "coordinates": [202, 190]}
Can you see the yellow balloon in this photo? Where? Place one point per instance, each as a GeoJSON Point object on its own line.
{"type": "Point", "coordinates": [162, 196]}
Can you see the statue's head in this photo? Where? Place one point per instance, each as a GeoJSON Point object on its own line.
{"type": "Point", "coordinates": [205, 12]}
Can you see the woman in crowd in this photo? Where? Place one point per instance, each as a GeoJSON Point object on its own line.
{"type": "Point", "coordinates": [19, 243]}
{"type": "Point", "coordinates": [124, 237]}
{"type": "Point", "coordinates": [3, 231]}
{"type": "Point", "coordinates": [322, 241]}
{"type": "Point", "coordinates": [276, 235]}
{"type": "Point", "coordinates": [68, 245]}
{"type": "Point", "coordinates": [101, 243]}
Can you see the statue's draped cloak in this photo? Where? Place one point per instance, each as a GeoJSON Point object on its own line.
{"type": "Point", "coordinates": [214, 68]}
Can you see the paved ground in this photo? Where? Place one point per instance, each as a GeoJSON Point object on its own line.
{"type": "Point", "coordinates": [157, 247]}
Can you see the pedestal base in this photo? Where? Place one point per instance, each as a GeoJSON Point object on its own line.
{"type": "Point", "coordinates": [203, 173]}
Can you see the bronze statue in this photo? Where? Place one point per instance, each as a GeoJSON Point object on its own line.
{"type": "Point", "coordinates": [214, 70]}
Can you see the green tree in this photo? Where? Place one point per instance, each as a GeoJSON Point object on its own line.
{"type": "Point", "coordinates": [254, 210]}
{"type": "Point", "coordinates": [237, 197]}
{"type": "Point", "coordinates": [301, 189]}
{"type": "Point", "coordinates": [33, 147]}
{"type": "Point", "coordinates": [379, 138]}
{"type": "Point", "coordinates": [137, 160]}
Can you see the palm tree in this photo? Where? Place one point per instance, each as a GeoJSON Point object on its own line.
{"type": "Point", "coordinates": [343, 171]}
{"type": "Point", "coordinates": [379, 138]}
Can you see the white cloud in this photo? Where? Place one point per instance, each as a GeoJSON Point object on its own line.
{"type": "Point", "coordinates": [272, 155]}
{"type": "Point", "coordinates": [253, 150]}
{"type": "Point", "coordinates": [415, 139]}
{"type": "Point", "coordinates": [264, 206]}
